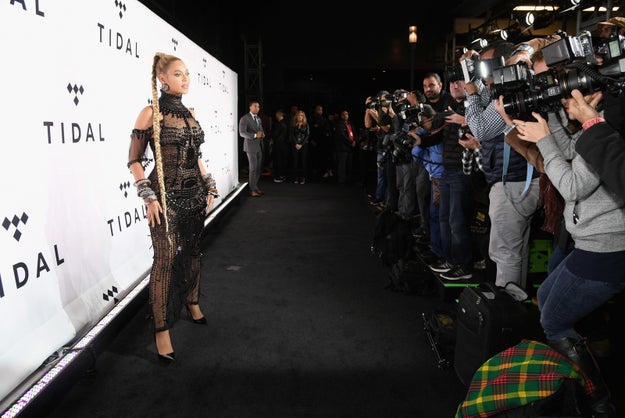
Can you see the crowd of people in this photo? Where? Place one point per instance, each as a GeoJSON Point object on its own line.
{"type": "Point", "coordinates": [299, 147]}
{"type": "Point", "coordinates": [522, 154]}
{"type": "Point", "coordinates": [439, 156]}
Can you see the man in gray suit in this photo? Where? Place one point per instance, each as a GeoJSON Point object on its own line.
{"type": "Point", "coordinates": [251, 129]}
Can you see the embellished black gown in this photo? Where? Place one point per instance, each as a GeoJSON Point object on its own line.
{"type": "Point", "coordinates": [175, 274]}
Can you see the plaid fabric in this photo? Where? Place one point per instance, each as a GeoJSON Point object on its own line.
{"type": "Point", "coordinates": [526, 372]}
{"type": "Point", "coordinates": [469, 158]}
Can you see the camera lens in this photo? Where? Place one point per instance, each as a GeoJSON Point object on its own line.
{"type": "Point", "coordinates": [574, 79]}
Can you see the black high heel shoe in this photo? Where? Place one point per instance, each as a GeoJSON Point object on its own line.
{"type": "Point", "coordinates": [167, 358]}
{"type": "Point", "coordinates": [200, 321]}
{"type": "Point", "coordinates": [164, 358]}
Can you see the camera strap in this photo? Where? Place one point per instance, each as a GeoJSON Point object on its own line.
{"type": "Point", "coordinates": [506, 163]}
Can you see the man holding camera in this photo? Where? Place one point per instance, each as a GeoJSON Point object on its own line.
{"type": "Point", "coordinates": [456, 195]}
{"type": "Point", "coordinates": [379, 118]}
{"type": "Point", "coordinates": [513, 195]}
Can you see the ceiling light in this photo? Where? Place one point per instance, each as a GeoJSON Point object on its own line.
{"type": "Point", "coordinates": [529, 18]}
{"type": "Point", "coordinates": [528, 8]}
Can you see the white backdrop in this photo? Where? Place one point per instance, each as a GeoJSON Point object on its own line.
{"type": "Point", "coordinates": [75, 75]}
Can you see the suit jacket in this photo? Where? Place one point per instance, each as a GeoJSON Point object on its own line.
{"type": "Point", "coordinates": [247, 129]}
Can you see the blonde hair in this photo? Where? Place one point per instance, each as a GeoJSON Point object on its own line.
{"type": "Point", "coordinates": [159, 66]}
{"type": "Point", "coordinates": [297, 122]}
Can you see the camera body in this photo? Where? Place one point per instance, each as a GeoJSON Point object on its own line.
{"type": "Point", "coordinates": [572, 65]}
{"type": "Point", "coordinates": [463, 131]}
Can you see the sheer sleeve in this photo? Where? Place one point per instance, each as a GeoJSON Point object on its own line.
{"type": "Point", "coordinates": [139, 140]}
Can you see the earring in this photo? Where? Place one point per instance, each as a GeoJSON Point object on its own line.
{"type": "Point", "coordinates": [165, 87]}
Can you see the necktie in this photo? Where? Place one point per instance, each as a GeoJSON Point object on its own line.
{"type": "Point", "coordinates": [350, 133]}
{"type": "Point", "coordinates": [257, 121]}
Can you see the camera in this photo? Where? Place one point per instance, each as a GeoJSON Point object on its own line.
{"type": "Point", "coordinates": [407, 112]}
{"type": "Point", "coordinates": [474, 67]}
{"type": "Point", "coordinates": [463, 131]}
{"type": "Point", "coordinates": [377, 103]}
{"type": "Point", "coordinates": [509, 79]}
{"type": "Point", "coordinates": [398, 147]}
{"type": "Point", "coordinates": [453, 73]}
{"type": "Point", "coordinates": [569, 49]}
{"type": "Point", "coordinates": [572, 65]}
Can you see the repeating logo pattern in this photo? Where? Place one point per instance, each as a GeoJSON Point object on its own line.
{"type": "Point", "coordinates": [75, 89]}
{"type": "Point", "coordinates": [15, 221]}
{"type": "Point", "coordinates": [124, 186]}
{"type": "Point", "coordinates": [110, 294]}
{"type": "Point", "coordinates": [122, 8]}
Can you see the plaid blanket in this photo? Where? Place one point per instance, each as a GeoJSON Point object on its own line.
{"type": "Point", "coordinates": [526, 372]}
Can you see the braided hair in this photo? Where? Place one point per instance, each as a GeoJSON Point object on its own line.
{"type": "Point", "coordinates": [160, 64]}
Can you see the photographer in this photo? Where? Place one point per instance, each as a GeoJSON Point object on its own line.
{"type": "Point", "coordinates": [400, 152]}
{"type": "Point", "coordinates": [510, 218]}
{"type": "Point", "coordinates": [595, 217]}
{"type": "Point", "coordinates": [602, 146]}
{"type": "Point", "coordinates": [456, 195]}
{"type": "Point", "coordinates": [379, 119]}
{"type": "Point", "coordinates": [428, 151]}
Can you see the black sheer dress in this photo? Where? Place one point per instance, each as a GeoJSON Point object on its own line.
{"type": "Point", "coordinates": [175, 274]}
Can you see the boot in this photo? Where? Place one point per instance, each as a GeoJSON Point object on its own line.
{"type": "Point", "coordinates": [578, 352]}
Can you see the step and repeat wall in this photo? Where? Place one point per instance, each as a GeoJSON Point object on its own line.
{"type": "Point", "coordinates": [73, 234]}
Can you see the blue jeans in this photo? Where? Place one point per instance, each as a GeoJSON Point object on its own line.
{"type": "Point", "coordinates": [565, 298]}
{"type": "Point", "coordinates": [455, 214]}
{"type": "Point", "coordinates": [380, 188]}
{"type": "Point", "coordinates": [435, 226]}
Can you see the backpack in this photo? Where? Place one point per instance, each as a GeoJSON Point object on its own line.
{"type": "Point", "coordinates": [412, 277]}
{"type": "Point", "coordinates": [392, 238]}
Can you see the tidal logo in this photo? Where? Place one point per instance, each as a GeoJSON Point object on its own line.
{"type": "Point", "coordinates": [15, 223]}
{"type": "Point", "coordinates": [124, 186]}
{"type": "Point", "coordinates": [38, 10]}
{"type": "Point", "coordinates": [73, 132]}
{"type": "Point", "coordinates": [204, 62]}
{"type": "Point", "coordinates": [21, 270]}
{"type": "Point", "coordinates": [118, 41]}
{"type": "Point", "coordinates": [75, 89]}
{"type": "Point", "coordinates": [174, 42]}
{"type": "Point", "coordinates": [203, 80]}
{"type": "Point", "coordinates": [126, 220]}
{"type": "Point", "coordinates": [122, 8]}
{"type": "Point", "coordinates": [109, 294]}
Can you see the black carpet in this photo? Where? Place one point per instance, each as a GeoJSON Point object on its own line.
{"type": "Point", "coordinates": [299, 325]}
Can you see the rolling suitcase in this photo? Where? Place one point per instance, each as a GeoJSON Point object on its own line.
{"type": "Point", "coordinates": [488, 321]}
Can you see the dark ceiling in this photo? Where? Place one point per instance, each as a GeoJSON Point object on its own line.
{"type": "Point", "coordinates": [313, 52]}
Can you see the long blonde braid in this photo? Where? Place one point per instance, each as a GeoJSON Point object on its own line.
{"type": "Point", "coordinates": [161, 61]}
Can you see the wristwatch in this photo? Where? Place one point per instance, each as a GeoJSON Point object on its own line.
{"type": "Point", "coordinates": [508, 129]}
{"type": "Point", "coordinates": [524, 47]}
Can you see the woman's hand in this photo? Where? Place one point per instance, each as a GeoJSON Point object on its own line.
{"type": "Point", "coordinates": [154, 211]}
{"type": "Point", "coordinates": [298, 146]}
{"type": "Point", "coordinates": [582, 108]}
{"type": "Point", "coordinates": [532, 131]}
{"type": "Point", "coordinates": [210, 200]}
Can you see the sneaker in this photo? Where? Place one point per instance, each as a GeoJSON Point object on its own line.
{"type": "Point", "coordinates": [278, 180]}
{"type": "Point", "coordinates": [457, 273]}
{"type": "Point", "coordinates": [441, 266]}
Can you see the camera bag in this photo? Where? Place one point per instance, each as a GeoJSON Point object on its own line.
{"type": "Point", "coordinates": [488, 321]}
